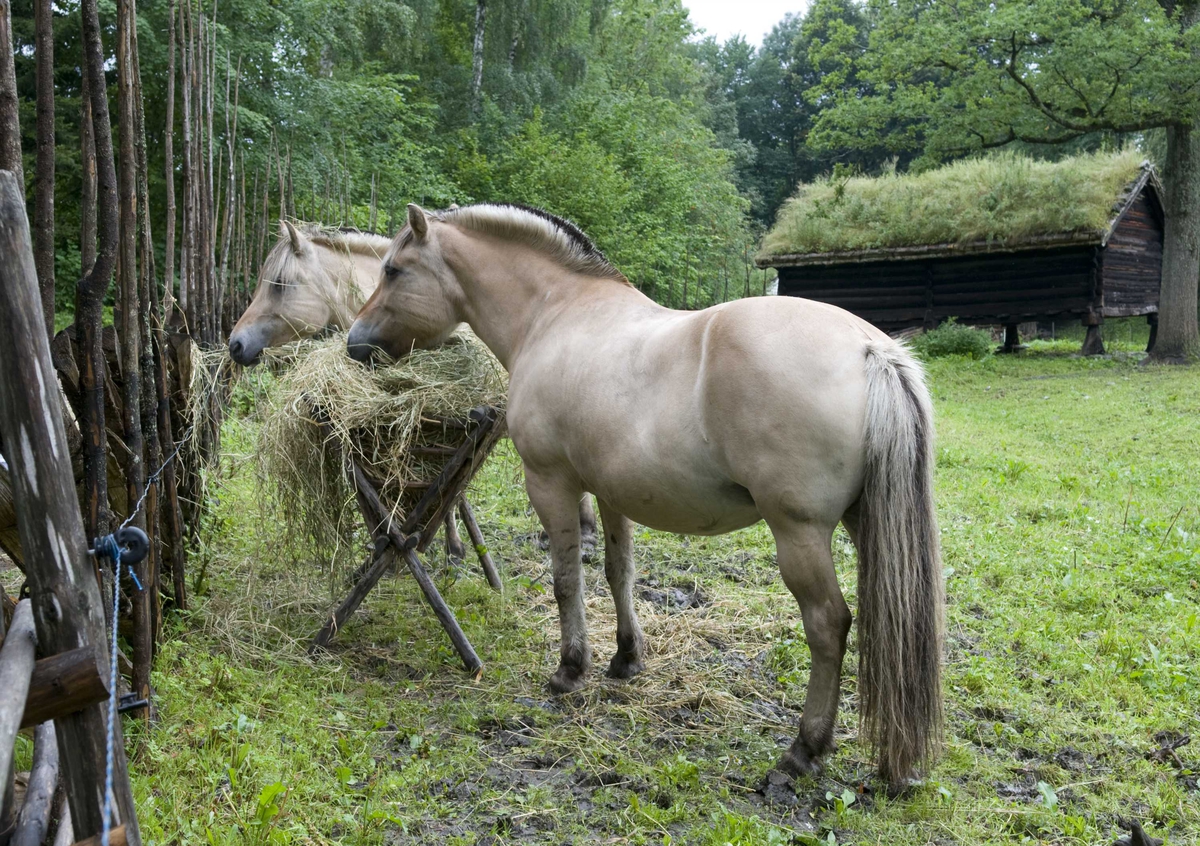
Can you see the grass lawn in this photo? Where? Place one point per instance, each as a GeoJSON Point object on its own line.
{"type": "Point", "coordinates": [1067, 494]}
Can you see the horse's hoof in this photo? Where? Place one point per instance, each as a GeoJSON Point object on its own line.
{"type": "Point", "coordinates": [587, 548]}
{"type": "Point", "coordinates": [567, 679]}
{"type": "Point", "coordinates": [624, 667]}
{"type": "Point", "coordinates": [797, 763]}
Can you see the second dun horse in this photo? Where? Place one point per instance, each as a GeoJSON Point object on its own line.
{"type": "Point", "coordinates": [313, 279]}
{"type": "Point", "coordinates": [699, 422]}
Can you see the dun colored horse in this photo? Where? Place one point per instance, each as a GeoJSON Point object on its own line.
{"type": "Point", "coordinates": [776, 409]}
{"type": "Point", "coordinates": [313, 279]}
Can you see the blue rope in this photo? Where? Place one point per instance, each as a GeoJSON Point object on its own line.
{"type": "Point", "coordinates": [109, 757]}
{"type": "Point", "coordinates": [109, 547]}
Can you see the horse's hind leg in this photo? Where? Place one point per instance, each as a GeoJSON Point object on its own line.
{"type": "Point", "coordinates": [557, 505]}
{"type": "Point", "coordinates": [618, 567]}
{"type": "Point", "coordinates": [806, 563]}
{"type": "Point", "coordinates": [588, 535]}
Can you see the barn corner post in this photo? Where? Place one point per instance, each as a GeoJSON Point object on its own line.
{"type": "Point", "coordinates": [66, 600]}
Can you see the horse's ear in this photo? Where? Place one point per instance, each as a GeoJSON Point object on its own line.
{"type": "Point", "coordinates": [453, 206]}
{"type": "Point", "coordinates": [293, 236]}
{"type": "Point", "coordinates": [417, 220]}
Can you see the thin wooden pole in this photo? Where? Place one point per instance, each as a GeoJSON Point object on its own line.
{"type": "Point", "coordinates": [169, 165]}
{"type": "Point", "coordinates": [91, 291]}
{"type": "Point", "coordinates": [65, 595]}
{"type": "Point", "coordinates": [148, 357]}
{"type": "Point", "coordinates": [130, 336]}
{"type": "Point", "coordinates": [43, 198]}
{"type": "Point", "coordinates": [10, 122]}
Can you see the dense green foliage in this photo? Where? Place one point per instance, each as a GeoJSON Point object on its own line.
{"type": "Point", "coordinates": [1072, 654]}
{"type": "Point", "coordinates": [952, 338]}
{"type": "Point", "coordinates": [944, 79]}
{"type": "Point", "coordinates": [599, 111]}
{"type": "Point", "coordinates": [1005, 197]}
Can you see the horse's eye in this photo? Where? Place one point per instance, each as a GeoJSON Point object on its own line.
{"type": "Point", "coordinates": [390, 271]}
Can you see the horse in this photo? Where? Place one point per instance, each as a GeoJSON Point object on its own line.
{"type": "Point", "coordinates": [313, 279]}
{"type": "Point", "coordinates": [699, 422]}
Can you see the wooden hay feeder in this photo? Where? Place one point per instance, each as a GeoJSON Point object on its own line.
{"type": "Point", "coordinates": [421, 508]}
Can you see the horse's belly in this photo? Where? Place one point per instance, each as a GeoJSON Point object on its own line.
{"type": "Point", "coordinates": [709, 508]}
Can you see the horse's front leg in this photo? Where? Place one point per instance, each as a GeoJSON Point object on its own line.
{"type": "Point", "coordinates": [618, 567]}
{"type": "Point", "coordinates": [557, 505]}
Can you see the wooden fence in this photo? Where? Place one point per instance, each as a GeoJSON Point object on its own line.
{"type": "Point", "coordinates": [64, 694]}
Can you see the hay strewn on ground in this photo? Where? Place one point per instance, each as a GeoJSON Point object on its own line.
{"type": "Point", "coordinates": [1005, 197]}
{"type": "Point", "coordinates": [373, 415]}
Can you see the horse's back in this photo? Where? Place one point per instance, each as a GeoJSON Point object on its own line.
{"type": "Point", "coordinates": [678, 414]}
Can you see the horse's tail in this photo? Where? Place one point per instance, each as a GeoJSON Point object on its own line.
{"type": "Point", "coordinates": [900, 593]}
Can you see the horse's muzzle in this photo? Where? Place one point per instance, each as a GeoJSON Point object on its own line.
{"type": "Point", "coordinates": [358, 344]}
{"type": "Point", "coordinates": [244, 352]}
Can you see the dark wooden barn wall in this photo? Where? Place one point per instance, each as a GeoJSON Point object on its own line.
{"type": "Point", "coordinates": [1131, 263]}
{"type": "Point", "coordinates": [1055, 284]}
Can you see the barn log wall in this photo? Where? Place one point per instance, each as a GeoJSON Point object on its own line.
{"type": "Point", "coordinates": [1055, 284]}
{"type": "Point", "coordinates": [922, 286]}
{"type": "Point", "coordinates": [1131, 263]}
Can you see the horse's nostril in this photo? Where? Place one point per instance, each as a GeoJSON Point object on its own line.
{"type": "Point", "coordinates": [235, 349]}
{"type": "Point", "coordinates": [359, 352]}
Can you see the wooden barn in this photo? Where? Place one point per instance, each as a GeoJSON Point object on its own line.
{"type": "Point", "coordinates": [1006, 241]}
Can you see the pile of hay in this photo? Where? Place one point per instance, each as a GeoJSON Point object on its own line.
{"type": "Point", "coordinates": [371, 414]}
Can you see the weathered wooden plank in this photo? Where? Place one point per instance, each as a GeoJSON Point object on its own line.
{"type": "Point", "coordinates": [66, 597]}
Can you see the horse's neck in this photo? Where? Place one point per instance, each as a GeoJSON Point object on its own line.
{"type": "Point", "coordinates": [509, 288]}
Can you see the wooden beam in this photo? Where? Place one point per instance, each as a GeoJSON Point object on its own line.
{"type": "Point", "coordinates": [66, 602]}
{"type": "Point", "coordinates": [63, 684]}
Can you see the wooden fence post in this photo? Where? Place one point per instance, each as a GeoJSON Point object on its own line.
{"type": "Point", "coordinates": [67, 606]}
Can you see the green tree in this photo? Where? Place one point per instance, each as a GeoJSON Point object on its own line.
{"type": "Point", "coordinates": [949, 79]}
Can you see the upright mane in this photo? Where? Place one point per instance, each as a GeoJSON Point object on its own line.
{"type": "Point", "coordinates": [555, 236]}
{"type": "Point", "coordinates": [346, 239]}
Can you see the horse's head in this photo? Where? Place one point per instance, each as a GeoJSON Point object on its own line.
{"type": "Point", "coordinates": [416, 304]}
{"type": "Point", "coordinates": [295, 299]}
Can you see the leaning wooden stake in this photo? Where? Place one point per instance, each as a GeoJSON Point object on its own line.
{"type": "Point", "coordinates": [33, 821]}
{"type": "Point", "coordinates": [16, 667]}
{"type": "Point", "coordinates": [66, 599]}
{"type": "Point", "coordinates": [485, 557]}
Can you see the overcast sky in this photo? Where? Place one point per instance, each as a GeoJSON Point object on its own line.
{"type": "Point", "coordinates": [751, 18]}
